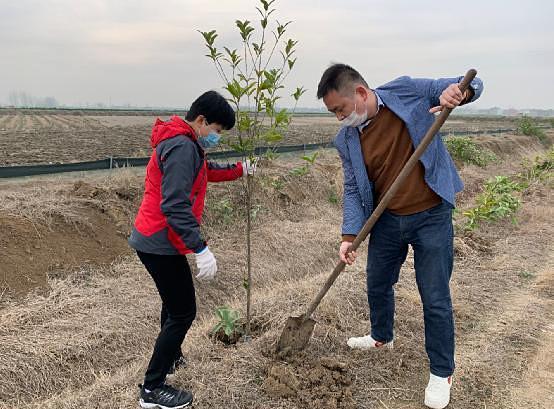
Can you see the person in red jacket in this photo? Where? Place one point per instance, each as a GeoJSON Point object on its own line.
{"type": "Point", "coordinates": [167, 227]}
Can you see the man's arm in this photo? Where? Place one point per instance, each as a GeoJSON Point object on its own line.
{"type": "Point", "coordinates": [179, 164]}
{"type": "Point", "coordinates": [353, 213]}
{"type": "Point", "coordinates": [433, 89]}
{"type": "Point", "coordinates": [224, 173]}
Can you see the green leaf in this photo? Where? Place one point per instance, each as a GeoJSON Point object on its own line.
{"type": "Point", "coordinates": [300, 171]}
{"type": "Point", "coordinates": [245, 122]}
{"type": "Point", "coordinates": [289, 47]}
{"type": "Point", "coordinates": [311, 159]}
{"type": "Point", "coordinates": [298, 93]}
{"type": "Point", "coordinates": [272, 136]}
{"type": "Point", "coordinates": [234, 58]}
{"type": "Point", "coordinates": [281, 29]}
{"type": "Point", "coordinates": [245, 29]}
{"type": "Point", "coordinates": [267, 4]}
{"type": "Point", "coordinates": [234, 89]}
{"type": "Point", "coordinates": [257, 48]}
{"type": "Point", "coordinates": [291, 63]}
{"type": "Point", "coordinates": [216, 328]}
{"type": "Point", "coordinates": [243, 78]}
{"type": "Point", "coordinates": [209, 36]}
{"type": "Point", "coordinates": [214, 55]}
{"type": "Point", "coordinates": [282, 118]}
{"type": "Point", "coordinates": [228, 318]}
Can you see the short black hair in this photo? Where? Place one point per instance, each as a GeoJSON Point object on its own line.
{"type": "Point", "coordinates": [215, 109]}
{"type": "Point", "coordinates": [336, 78]}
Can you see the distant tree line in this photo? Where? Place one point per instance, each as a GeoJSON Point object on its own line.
{"type": "Point", "coordinates": [22, 99]}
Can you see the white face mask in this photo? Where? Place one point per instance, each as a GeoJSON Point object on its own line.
{"type": "Point", "coordinates": [354, 119]}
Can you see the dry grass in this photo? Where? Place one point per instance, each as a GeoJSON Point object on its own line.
{"type": "Point", "coordinates": [87, 342]}
{"type": "Point", "coordinates": [98, 321]}
{"type": "Point", "coordinates": [63, 199]}
{"type": "Point", "coordinates": [78, 330]}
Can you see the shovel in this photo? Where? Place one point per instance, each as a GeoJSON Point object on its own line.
{"type": "Point", "coordinates": [298, 330]}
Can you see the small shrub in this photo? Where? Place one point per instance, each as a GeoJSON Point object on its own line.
{"type": "Point", "coordinates": [539, 170]}
{"type": "Point", "coordinates": [302, 170]}
{"type": "Point", "coordinates": [526, 274]}
{"type": "Point", "coordinates": [310, 159]}
{"type": "Point", "coordinates": [270, 155]}
{"type": "Point", "coordinates": [223, 210]}
{"type": "Point", "coordinates": [496, 202]}
{"type": "Point", "coordinates": [277, 183]}
{"type": "Point", "coordinates": [255, 211]}
{"type": "Point", "coordinates": [226, 329]}
{"type": "Point", "coordinates": [528, 126]}
{"type": "Point", "coordinates": [465, 150]}
{"type": "Point", "coordinates": [333, 197]}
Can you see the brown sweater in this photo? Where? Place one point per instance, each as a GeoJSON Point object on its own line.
{"type": "Point", "coordinates": [386, 147]}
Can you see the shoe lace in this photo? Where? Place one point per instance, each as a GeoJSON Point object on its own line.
{"type": "Point", "coordinates": [167, 393]}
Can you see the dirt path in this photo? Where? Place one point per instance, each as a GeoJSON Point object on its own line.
{"type": "Point", "coordinates": [495, 360]}
{"type": "Point", "coordinates": [537, 386]}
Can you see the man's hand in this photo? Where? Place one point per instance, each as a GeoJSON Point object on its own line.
{"type": "Point", "coordinates": [345, 254]}
{"type": "Point", "coordinates": [207, 266]}
{"type": "Point", "coordinates": [451, 97]}
{"type": "Point", "coordinates": [249, 167]}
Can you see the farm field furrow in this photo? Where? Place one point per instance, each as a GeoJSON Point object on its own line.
{"type": "Point", "coordinates": [43, 137]}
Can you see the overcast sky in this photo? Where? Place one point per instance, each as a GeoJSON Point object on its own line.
{"type": "Point", "coordinates": [149, 52]}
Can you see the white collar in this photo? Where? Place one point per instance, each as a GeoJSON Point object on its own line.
{"type": "Point", "coordinates": [380, 104]}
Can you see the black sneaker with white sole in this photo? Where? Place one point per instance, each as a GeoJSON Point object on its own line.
{"type": "Point", "coordinates": [164, 397]}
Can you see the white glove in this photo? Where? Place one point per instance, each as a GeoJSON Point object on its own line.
{"type": "Point", "coordinates": [207, 266]}
{"type": "Point", "coordinates": [249, 167]}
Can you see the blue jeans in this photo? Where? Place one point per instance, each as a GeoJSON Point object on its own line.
{"type": "Point", "coordinates": [430, 234]}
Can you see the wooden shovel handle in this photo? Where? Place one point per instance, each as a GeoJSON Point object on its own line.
{"type": "Point", "coordinates": [408, 167]}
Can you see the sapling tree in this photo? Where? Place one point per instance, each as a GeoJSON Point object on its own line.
{"type": "Point", "coordinates": [253, 76]}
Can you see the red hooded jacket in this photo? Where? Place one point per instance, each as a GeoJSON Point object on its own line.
{"type": "Point", "coordinates": [169, 217]}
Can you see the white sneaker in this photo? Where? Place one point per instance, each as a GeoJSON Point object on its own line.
{"type": "Point", "coordinates": [437, 392]}
{"type": "Point", "coordinates": [367, 343]}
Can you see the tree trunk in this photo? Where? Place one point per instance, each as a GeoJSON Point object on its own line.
{"type": "Point", "coordinates": [248, 253]}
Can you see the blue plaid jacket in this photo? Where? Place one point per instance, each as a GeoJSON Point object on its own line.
{"type": "Point", "coordinates": [410, 99]}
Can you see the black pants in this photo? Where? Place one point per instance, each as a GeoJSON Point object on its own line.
{"type": "Point", "coordinates": [173, 279]}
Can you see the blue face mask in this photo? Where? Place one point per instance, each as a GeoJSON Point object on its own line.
{"type": "Point", "coordinates": [209, 141]}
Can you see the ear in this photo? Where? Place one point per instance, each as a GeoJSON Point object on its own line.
{"type": "Point", "coordinates": [199, 120]}
{"type": "Point", "coordinates": [363, 91]}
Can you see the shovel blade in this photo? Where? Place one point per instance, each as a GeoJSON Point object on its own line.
{"type": "Point", "coordinates": [295, 335]}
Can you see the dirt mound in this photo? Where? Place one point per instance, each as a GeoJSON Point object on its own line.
{"type": "Point", "coordinates": [470, 245]}
{"type": "Point", "coordinates": [52, 231]}
{"type": "Point", "coordinates": [324, 383]}
{"type": "Point", "coordinates": [516, 145]}
{"type": "Point", "coordinates": [31, 253]}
